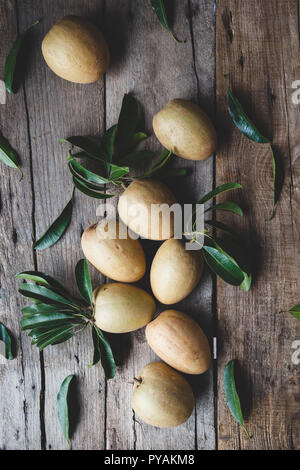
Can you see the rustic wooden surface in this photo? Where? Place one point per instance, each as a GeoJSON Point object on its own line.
{"type": "Point", "coordinates": [259, 49]}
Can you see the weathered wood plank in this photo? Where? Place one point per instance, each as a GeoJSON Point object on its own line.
{"type": "Point", "coordinates": [156, 69]}
{"type": "Point", "coordinates": [59, 109]}
{"type": "Point", "coordinates": [20, 380]}
{"type": "Point", "coordinates": [259, 48]}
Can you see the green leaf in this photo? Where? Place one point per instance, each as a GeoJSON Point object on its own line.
{"type": "Point", "coordinates": [108, 143]}
{"type": "Point", "coordinates": [5, 337]}
{"type": "Point", "coordinates": [221, 226]}
{"type": "Point", "coordinates": [220, 189]}
{"type": "Point", "coordinates": [8, 155]}
{"type": "Point", "coordinates": [173, 173]}
{"type": "Point", "coordinates": [83, 280]}
{"type": "Point", "coordinates": [54, 336]}
{"type": "Point", "coordinates": [246, 284]}
{"type": "Point", "coordinates": [227, 206]}
{"type": "Point", "coordinates": [295, 311]}
{"type": "Point", "coordinates": [48, 320]}
{"type": "Point", "coordinates": [87, 176]}
{"type": "Point", "coordinates": [223, 265]}
{"type": "Point", "coordinates": [63, 408]}
{"type": "Point", "coordinates": [44, 295]}
{"type": "Point", "coordinates": [162, 160]}
{"type": "Point", "coordinates": [117, 172]}
{"type": "Point", "coordinates": [56, 229]}
{"type": "Point", "coordinates": [84, 188]}
{"type": "Point", "coordinates": [103, 352]}
{"type": "Point", "coordinates": [136, 139]}
{"type": "Point", "coordinates": [241, 120]}
{"type": "Point", "coordinates": [278, 180]}
{"type": "Point", "coordinates": [44, 308]}
{"type": "Point", "coordinates": [127, 122]}
{"type": "Point", "coordinates": [136, 156]}
{"type": "Point", "coordinates": [11, 62]}
{"type": "Point", "coordinates": [91, 148]}
{"type": "Point", "coordinates": [232, 398]}
{"type": "Point", "coordinates": [159, 8]}
{"type": "Point", "coordinates": [44, 279]}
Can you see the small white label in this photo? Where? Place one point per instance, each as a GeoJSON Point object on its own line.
{"type": "Point", "coordinates": [215, 353]}
{"type": "Point", "coordinates": [2, 92]}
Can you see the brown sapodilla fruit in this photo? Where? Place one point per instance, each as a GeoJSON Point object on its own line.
{"type": "Point", "coordinates": [185, 129]}
{"type": "Point", "coordinates": [137, 211]}
{"type": "Point", "coordinates": [120, 259]}
{"type": "Point", "coordinates": [76, 50]}
{"type": "Point", "coordinates": [175, 271]}
{"type": "Point", "coordinates": [179, 341]}
{"type": "Point", "coordinates": [121, 308]}
{"type": "Point", "coordinates": [161, 396]}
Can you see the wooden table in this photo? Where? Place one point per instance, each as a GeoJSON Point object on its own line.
{"type": "Point", "coordinates": [256, 42]}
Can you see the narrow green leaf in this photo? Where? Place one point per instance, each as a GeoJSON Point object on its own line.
{"type": "Point", "coordinates": [44, 279]}
{"type": "Point", "coordinates": [220, 189]}
{"type": "Point", "coordinates": [103, 350]}
{"type": "Point", "coordinates": [48, 320]}
{"type": "Point", "coordinates": [278, 180]}
{"type": "Point", "coordinates": [8, 155]}
{"type": "Point", "coordinates": [11, 62]}
{"type": "Point", "coordinates": [45, 308]}
{"type": "Point", "coordinates": [221, 226]}
{"type": "Point", "coordinates": [117, 172]}
{"type": "Point", "coordinates": [83, 280]}
{"type": "Point", "coordinates": [295, 311]}
{"type": "Point", "coordinates": [54, 336]}
{"type": "Point", "coordinates": [44, 295]}
{"type": "Point", "coordinates": [173, 173]}
{"type": "Point", "coordinates": [160, 163]}
{"type": "Point", "coordinates": [223, 265]}
{"type": "Point", "coordinates": [56, 229]}
{"type": "Point", "coordinates": [136, 139]}
{"type": "Point", "coordinates": [127, 122]}
{"type": "Point", "coordinates": [63, 408]}
{"type": "Point", "coordinates": [227, 206]}
{"type": "Point", "coordinates": [246, 284]}
{"type": "Point", "coordinates": [84, 188]}
{"type": "Point", "coordinates": [232, 398]}
{"type": "Point", "coordinates": [241, 120]}
{"type": "Point", "coordinates": [136, 156]}
{"type": "Point", "coordinates": [88, 176]}
{"type": "Point", "coordinates": [97, 350]}
{"type": "Point", "coordinates": [159, 9]}
{"type": "Point", "coordinates": [108, 143]}
{"type": "Point", "coordinates": [5, 337]}
{"type": "Point", "coordinates": [90, 146]}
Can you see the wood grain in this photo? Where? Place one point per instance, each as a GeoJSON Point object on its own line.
{"type": "Point", "coordinates": [63, 109]}
{"type": "Point", "coordinates": [149, 67]}
{"type": "Point", "coordinates": [20, 379]}
{"type": "Point", "coordinates": [259, 49]}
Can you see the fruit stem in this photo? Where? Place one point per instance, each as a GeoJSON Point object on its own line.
{"type": "Point", "coordinates": [138, 381]}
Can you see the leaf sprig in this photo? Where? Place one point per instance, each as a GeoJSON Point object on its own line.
{"type": "Point", "coordinates": [6, 338]}
{"type": "Point", "coordinates": [294, 311]}
{"type": "Point", "coordinates": [8, 155]}
{"type": "Point", "coordinates": [56, 316]}
{"type": "Point", "coordinates": [232, 398]}
{"type": "Point", "coordinates": [218, 260]}
{"type": "Point", "coordinates": [248, 128]}
{"type": "Point", "coordinates": [11, 63]}
{"type": "Point", "coordinates": [159, 8]}
{"type": "Point", "coordinates": [114, 154]}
